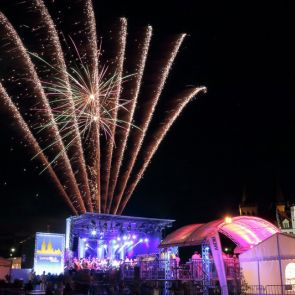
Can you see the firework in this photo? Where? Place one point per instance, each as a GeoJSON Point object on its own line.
{"type": "Point", "coordinates": [157, 76]}
{"type": "Point", "coordinates": [46, 33]}
{"type": "Point", "coordinates": [117, 58]}
{"type": "Point", "coordinates": [136, 55]}
{"type": "Point", "coordinates": [154, 139]}
{"type": "Point", "coordinates": [86, 110]}
{"type": "Point", "coordinates": [9, 110]}
{"type": "Point", "coordinates": [33, 94]}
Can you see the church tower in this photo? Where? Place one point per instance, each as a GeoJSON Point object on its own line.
{"type": "Point", "coordinates": [246, 207]}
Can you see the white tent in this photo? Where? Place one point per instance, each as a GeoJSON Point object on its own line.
{"type": "Point", "coordinates": [271, 262]}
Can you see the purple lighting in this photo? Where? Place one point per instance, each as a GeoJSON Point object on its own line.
{"type": "Point", "coordinates": [93, 232]}
{"type": "Point", "coordinates": [146, 240]}
{"type": "Point", "coordinates": [134, 237]}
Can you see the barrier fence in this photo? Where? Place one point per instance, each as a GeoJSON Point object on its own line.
{"type": "Point", "coordinates": [270, 290]}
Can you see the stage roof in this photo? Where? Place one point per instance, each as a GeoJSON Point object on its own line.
{"type": "Point", "coordinates": [109, 224]}
{"type": "Point", "coordinates": [245, 231]}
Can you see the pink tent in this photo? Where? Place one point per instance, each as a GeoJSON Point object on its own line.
{"type": "Point", "coordinates": [244, 231]}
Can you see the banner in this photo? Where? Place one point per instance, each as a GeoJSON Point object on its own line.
{"type": "Point", "coordinates": [49, 253]}
{"type": "Point", "coordinates": [216, 251]}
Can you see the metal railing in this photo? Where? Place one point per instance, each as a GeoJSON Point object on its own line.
{"type": "Point", "coordinates": [270, 290]}
{"type": "Point", "coordinates": [169, 270]}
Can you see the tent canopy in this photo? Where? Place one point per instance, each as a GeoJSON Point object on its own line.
{"type": "Point", "coordinates": [245, 231]}
{"type": "Point", "coordinates": [271, 262]}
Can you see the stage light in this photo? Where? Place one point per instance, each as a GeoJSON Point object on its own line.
{"type": "Point", "coordinates": [12, 249]}
{"type": "Point", "coordinates": [118, 239]}
{"type": "Point", "coordinates": [87, 245]}
{"type": "Point", "coordinates": [133, 237]}
{"type": "Point", "coordinates": [114, 241]}
{"type": "Point", "coordinates": [84, 239]}
{"type": "Point", "coordinates": [228, 219]}
{"type": "Point", "coordinates": [93, 232]}
{"type": "Point", "coordinates": [141, 240]}
{"type": "Point", "coordinates": [146, 240]}
{"type": "Point", "coordinates": [115, 263]}
{"type": "Point", "coordinates": [124, 238]}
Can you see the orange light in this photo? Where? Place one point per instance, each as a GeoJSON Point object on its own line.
{"type": "Point", "coordinates": [228, 219]}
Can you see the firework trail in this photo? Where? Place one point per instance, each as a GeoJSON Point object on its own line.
{"type": "Point", "coordinates": [47, 34]}
{"type": "Point", "coordinates": [136, 55]}
{"type": "Point", "coordinates": [33, 85]}
{"type": "Point", "coordinates": [151, 93]}
{"type": "Point", "coordinates": [88, 125]}
{"type": "Point", "coordinates": [82, 56]}
{"type": "Point", "coordinates": [116, 56]}
{"type": "Point", "coordinates": [9, 110]}
{"type": "Point", "coordinates": [154, 139]}
{"type": "Point", "coordinates": [93, 142]}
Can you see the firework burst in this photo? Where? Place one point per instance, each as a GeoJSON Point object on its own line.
{"type": "Point", "coordinates": [85, 110]}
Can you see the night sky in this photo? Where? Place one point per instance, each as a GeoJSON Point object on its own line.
{"type": "Point", "coordinates": [239, 135]}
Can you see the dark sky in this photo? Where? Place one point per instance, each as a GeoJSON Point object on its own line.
{"type": "Point", "coordinates": [239, 134]}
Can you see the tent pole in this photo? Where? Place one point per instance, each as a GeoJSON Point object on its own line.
{"type": "Point", "coordinates": [258, 270]}
{"type": "Point", "coordinates": [280, 264]}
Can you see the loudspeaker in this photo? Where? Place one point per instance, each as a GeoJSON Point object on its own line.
{"type": "Point", "coordinates": [75, 244]}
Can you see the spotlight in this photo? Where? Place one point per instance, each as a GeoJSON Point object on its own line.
{"type": "Point", "coordinates": [228, 219]}
{"type": "Point", "coordinates": [93, 232]}
{"type": "Point", "coordinates": [146, 240]}
{"type": "Point", "coordinates": [87, 245]}
{"type": "Point", "coordinates": [114, 241]}
{"type": "Point", "coordinates": [124, 238]}
{"type": "Point", "coordinates": [91, 96]}
{"type": "Point", "coordinates": [12, 249]}
{"type": "Point", "coordinates": [118, 239]}
{"type": "Point", "coordinates": [141, 240]}
{"type": "Point", "coordinates": [84, 239]}
{"type": "Point", "coordinates": [133, 237]}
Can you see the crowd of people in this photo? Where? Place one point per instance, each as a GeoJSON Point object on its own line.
{"type": "Point", "coordinates": [97, 264]}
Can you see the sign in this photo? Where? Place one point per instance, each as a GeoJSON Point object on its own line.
{"type": "Point", "coordinates": [49, 253]}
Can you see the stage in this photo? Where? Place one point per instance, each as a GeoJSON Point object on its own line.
{"type": "Point", "coordinates": [113, 237]}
